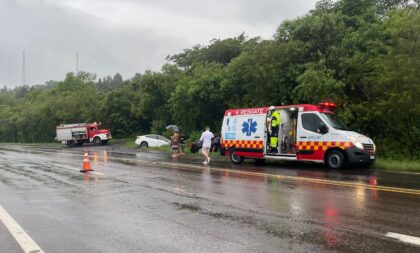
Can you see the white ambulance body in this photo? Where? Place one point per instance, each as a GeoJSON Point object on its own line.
{"type": "Point", "coordinates": [307, 133]}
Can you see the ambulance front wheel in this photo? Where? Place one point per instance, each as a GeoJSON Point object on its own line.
{"type": "Point", "coordinates": [235, 158]}
{"type": "Point", "coordinates": [335, 159]}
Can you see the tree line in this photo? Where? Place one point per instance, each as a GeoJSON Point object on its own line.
{"type": "Point", "coordinates": [362, 54]}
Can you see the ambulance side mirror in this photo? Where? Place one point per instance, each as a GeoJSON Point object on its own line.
{"type": "Point", "coordinates": [322, 128]}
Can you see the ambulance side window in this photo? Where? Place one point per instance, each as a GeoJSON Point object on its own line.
{"type": "Point", "coordinates": [311, 122]}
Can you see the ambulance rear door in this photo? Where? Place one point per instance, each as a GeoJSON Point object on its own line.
{"type": "Point", "coordinates": [243, 132]}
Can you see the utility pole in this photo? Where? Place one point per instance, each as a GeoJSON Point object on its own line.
{"type": "Point", "coordinates": [23, 68]}
{"type": "Point", "coordinates": [77, 63]}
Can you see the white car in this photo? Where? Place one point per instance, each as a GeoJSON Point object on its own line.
{"type": "Point", "coordinates": [152, 140]}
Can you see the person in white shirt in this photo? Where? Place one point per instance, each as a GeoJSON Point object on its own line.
{"type": "Point", "coordinates": [205, 149]}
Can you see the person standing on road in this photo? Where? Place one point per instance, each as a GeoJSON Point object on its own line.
{"type": "Point", "coordinates": [274, 133]}
{"type": "Point", "coordinates": [216, 143]}
{"type": "Point", "coordinates": [182, 141]}
{"type": "Point", "coordinates": [175, 143]}
{"type": "Point", "coordinates": [206, 137]}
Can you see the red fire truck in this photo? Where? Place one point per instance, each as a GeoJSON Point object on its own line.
{"type": "Point", "coordinates": [306, 133]}
{"type": "Point", "coordinates": [80, 133]}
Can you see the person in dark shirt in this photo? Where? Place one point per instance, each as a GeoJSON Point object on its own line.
{"type": "Point", "coordinates": [216, 143]}
{"type": "Point", "coordinates": [182, 142]}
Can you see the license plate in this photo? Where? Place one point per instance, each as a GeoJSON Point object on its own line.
{"type": "Point", "coordinates": [372, 157]}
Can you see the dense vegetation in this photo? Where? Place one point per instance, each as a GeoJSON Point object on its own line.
{"type": "Point", "coordinates": [363, 54]}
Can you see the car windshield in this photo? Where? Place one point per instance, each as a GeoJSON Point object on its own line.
{"type": "Point", "coordinates": [163, 138]}
{"type": "Point", "coordinates": [334, 121]}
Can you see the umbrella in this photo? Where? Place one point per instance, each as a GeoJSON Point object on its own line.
{"type": "Point", "coordinates": [172, 128]}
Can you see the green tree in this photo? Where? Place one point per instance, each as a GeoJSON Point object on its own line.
{"type": "Point", "coordinates": [219, 51]}
{"type": "Point", "coordinates": [118, 115]}
{"type": "Point", "coordinates": [317, 83]}
{"type": "Point", "coordinates": [197, 100]}
{"type": "Point", "coordinates": [396, 107]}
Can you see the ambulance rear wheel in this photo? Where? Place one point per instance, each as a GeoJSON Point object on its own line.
{"type": "Point", "coordinates": [335, 159]}
{"type": "Point", "coordinates": [235, 158]}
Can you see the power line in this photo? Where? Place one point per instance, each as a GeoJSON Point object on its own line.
{"type": "Point", "coordinates": [77, 63]}
{"type": "Point", "coordinates": [23, 68]}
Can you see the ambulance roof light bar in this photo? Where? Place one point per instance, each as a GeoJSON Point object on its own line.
{"type": "Point", "coordinates": [328, 105]}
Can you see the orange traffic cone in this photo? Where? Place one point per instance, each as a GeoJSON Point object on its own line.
{"type": "Point", "coordinates": [86, 163]}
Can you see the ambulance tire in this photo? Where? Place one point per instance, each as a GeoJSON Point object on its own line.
{"type": "Point", "coordinates": [97, 141]}
{"type": "Point", "coordinates": [235, 158]}
{"type": "Point", "coordinates": [335, 159]}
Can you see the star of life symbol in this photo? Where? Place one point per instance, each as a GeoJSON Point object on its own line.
{"type": "Point", "coordinates": [249, 127]}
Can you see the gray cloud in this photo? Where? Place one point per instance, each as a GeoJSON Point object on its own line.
{"type": "Point", "coordinates": [248, 11]}
{"type": "Point", "coordinates": [125, 36]}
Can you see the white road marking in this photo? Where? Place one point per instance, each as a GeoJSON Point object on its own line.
{"type": "Point", "coordinates": [405, 238]}
{"type": "Point", "coordinates": [25, 241]}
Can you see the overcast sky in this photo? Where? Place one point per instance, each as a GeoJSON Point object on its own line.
{"type": "Point", "coordinates": [125, 36]}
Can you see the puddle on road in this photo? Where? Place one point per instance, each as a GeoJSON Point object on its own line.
{"type": "Point", "coordinates": [271, 227]}
{"type": "Point", "coordinates": [191, 207]}
{"type": "Point", "coordinates": [121, 154]}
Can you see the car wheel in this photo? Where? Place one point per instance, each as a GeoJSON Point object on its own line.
{"type": "Point", "coordinates": [235, 158]}
{"type": "Point", "coordinates": [97, 141]}
{"type": "Point", "coordinates": [144, 144]}
{"type": "Point", "coordinates": [335, 159]}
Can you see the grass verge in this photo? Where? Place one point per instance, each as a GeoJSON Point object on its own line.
{"type": "Point", "coordinates": [36, 144]}
{"type": "Point", "coordinates": [396, 165]}
{"type": "Point", "coordinates": [124, 142]}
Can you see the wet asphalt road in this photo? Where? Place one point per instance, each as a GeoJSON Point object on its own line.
{"type": "Point", "coordinates": [142, 201]}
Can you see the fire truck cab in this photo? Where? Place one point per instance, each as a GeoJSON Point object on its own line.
{"type": "Point", "coordinates": [306, 133]}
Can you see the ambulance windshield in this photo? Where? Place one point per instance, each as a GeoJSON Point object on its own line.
{"type": "Point", "coordinates": [334, 121]}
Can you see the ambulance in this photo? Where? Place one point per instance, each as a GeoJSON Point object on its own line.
{"type": "Point", "coordinates": [306, 133]}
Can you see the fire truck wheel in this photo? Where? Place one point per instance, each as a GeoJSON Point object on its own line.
{"type": "Point", "coordinates": [97, 141]}
{"type": "Point", "coordinates": [335, 159]}
{"type": "Point", "coordinates": [71, 144]}
{"type": "Point", "coordinates": [235, 158]}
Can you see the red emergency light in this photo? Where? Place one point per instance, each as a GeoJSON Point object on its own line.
{"type": "Point", "coordinates": [329, 105]}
